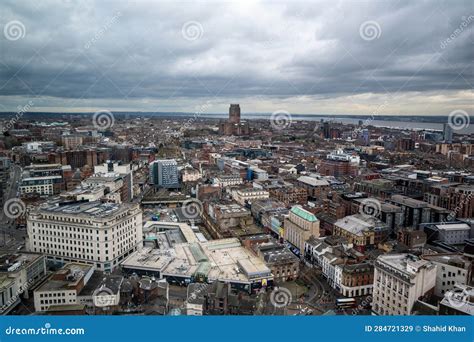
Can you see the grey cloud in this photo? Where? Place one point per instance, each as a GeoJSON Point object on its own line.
{"type": "Point", "coordinates": [77, 50]}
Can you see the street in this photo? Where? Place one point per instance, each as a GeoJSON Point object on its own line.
{"type": "Point", "coordinates": [11, 238]}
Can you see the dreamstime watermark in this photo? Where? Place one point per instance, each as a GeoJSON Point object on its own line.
{"type": "Point", "coordinates": [362, 306]}
{"type": "Point", "coordinates": [458, 297]}
{"type": "Point", "coordinates": [103, 120]}
{"type": "Point", "coordinates": [280, 297]}
{"type": "Point", "coordinates": [200, 288]}
{"type": "Point", "coordinates": [287, 28]}
{"type": "Point", "coordinates": [199, 111]}
{"type": "Point", "coordinates": [21, 110]}
{"type": "Point", "coordinates": [45, 330]}
{"type": "Point", "coordinates": [14, 30]}
{"type": "Point", "coordinates": [370, 30]}
{"type": "Point", "coordinates": [103, 297]}
{"type": "Point", "coordinates": [280, 120]}
{"type": "Point", "coordinates": [452, 215]}
{"type": "Point", "coordinates": [370, 207]}
{"type": "Point", "coordinates": [466, 21]}
{"type": "Point", "coordinates": [459, 119]}
{"type": "Point", "coordinates": [99, 33]}
{"type": "Point", "coordinates": [357, 131]}
{"type": "Point", "coordinates": [192, 208]}
{"type": "Point", "coordinates": [192, 30]}
{"type": "Point", "coordinates": [17, 295]}
{"type": "Point", "coordinates": [14, 208]}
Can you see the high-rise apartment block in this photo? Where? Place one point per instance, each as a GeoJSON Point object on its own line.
{"type": "Point", "coordinates": [164, 173]}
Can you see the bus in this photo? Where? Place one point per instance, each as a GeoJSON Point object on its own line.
{"type": "Point", "coordinates": [346, 303]}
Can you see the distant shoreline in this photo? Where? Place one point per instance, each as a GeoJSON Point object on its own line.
{"type": "Point", "coordinates": [255, 116]}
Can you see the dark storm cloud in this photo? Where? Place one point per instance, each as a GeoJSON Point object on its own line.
{"type": "Point", "coordinates": [86, 50]}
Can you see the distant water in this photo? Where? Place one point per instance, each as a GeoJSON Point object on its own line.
{"type": "Point", "coordinates": [399, 124]}
{"type": "Point", "coordinates": [410, 125]}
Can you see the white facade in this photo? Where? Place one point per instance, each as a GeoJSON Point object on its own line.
{"type": "Point", "coordinates": [63, 287]}
{"type": "Point", "coordinates": [39, 185]}
{"type": "Point", "coordinates": [399, 281]}
{"type": "Point", "coordinates": [339, 154]}
{"type": "Point", "coordinates": [194, 309]}
{"type": "Point", "coordinates": [97, 233]}
{"type": "Point", "coordinates": [249, 195]}
{"type": "Point", "coordinates": [22, 273]}
{"type": "Point", "coordinates": [190, 175]}
{"type": "Point", "coordinates": [227, 180]}
{"type": "Point", "coordinates": [455, 233]}
{"type": "Point", "coordinates": [122, 169]}
{"type": "Point", "coordinates": [451, 270]}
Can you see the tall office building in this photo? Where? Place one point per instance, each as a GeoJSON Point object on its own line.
{"type": "Point", "coordinates": [447, 133]}
{"type": "Point", "coordinates": [366, 136]}
{"type": "Point", "coordinates": [234, 113]}
{"type": "Point", "coordinates": [326, 128]}
{"type": "Point", "coordinates": [164, 173]}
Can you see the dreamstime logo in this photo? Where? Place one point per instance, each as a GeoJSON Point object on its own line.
{"type": "Point", "coordinates": [103, 297]}
{"type": "Point", "coordinates": [280, 120]}
{"type": "Point", "coordinates": [280, 297]}
{"type": "Point", "coordinates": [458, 297]}
{"type": "Point", "coordinates": [192, 30]}
{"type": "Point", "coordinates": [370, 30]}
{"type": "Point", "coordinates": [370, 207]}
{"type": "Point", "coordinates": [199, 111]}
{"type": "Point", "coordinates": [14, 208]}
{"type": "Point", "coordinates": [99, 33]}
{"type": "Point", "coordinates": [362, 306]}
{"type": "Point", "coordinates": [452, 215]}
{"type": "Point", "coordinates": [14, 30]}
{"type": "Point", "coordinates": [19, 292]}
{"type": "Point", "coordinates": [192, 208]}
{"type": "Point", "coordinates": [459, 119]}
{"type": "Point", "coordinates": [464, 24]}
{"type": "Point", "coordinates": [103, 120]}
{"type": "Point", "coordinates": [21, 110]}
{"type": "Point", "coordinates": [198, 291]}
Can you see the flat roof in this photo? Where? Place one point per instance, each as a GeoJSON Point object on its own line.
{"type": "Point", "coordinates": [72, 273]}
{"type": "Point", "coordinates": [17, 261]}
{"type": "Point", "coordinates": [453, 226]}
{"type": "Point", "coordinates": [357, 224]}
{"type": "Point", "coordinates": [87, 209]}
{"type": "Point", "coordinates": [224, 260]}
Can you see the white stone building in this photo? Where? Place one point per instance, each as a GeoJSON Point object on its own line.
{"type": "Point", "coordinates": [399, 281]}
{"type": "Point", "coordinates": [97, 233]}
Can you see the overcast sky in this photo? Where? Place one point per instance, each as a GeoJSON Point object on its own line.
{"type": "Point", "coordinates": [377, 57]}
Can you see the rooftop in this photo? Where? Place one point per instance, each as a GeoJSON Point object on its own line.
{"type": "Point", "coordinates": [67, 278]}
{"type": "Point", "coordinates": [224, 259]}
{"type": "Point", "coordinates": [406, 264]}
{"type": "Point", "coordinates": [14, 262]}
{"type": "Point", "coordinates": [85, 209]}
{"type": "Point", "coordinates": [461, 298]}
{"type": "Point", "coordinates": [304, 214]}
{"type": "Point", "coordinates": [358, 224]}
